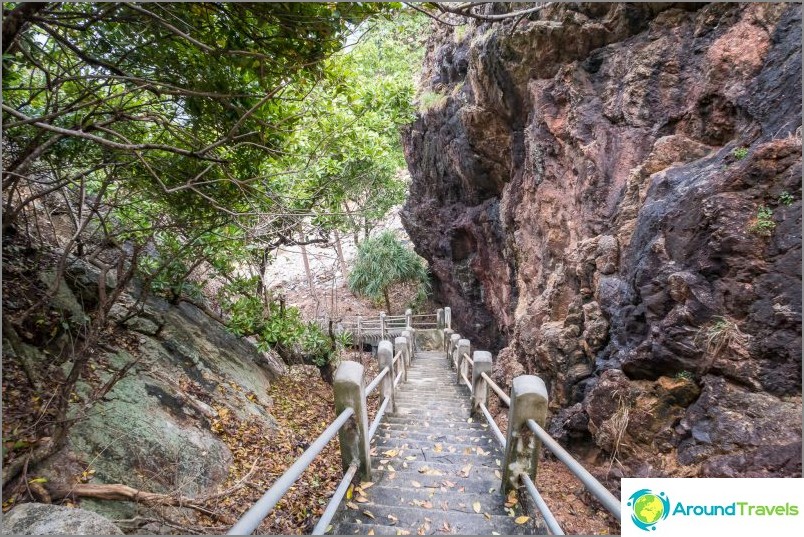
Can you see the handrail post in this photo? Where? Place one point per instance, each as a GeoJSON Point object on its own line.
{"type": "Point", "coordinates": [460, 349]}
{"type": "Point", "coordinates": [382, 325]}
{"type": "Point", "coordinates": [447, 335]}
{"type": "Point", "coordinates": [360, 332]}
{"type": "Point", "coordinates": [408, 348]}
{"type": "Point", "coordinates": [408, 317]}
{"type": "Point", "coordinates": [440, 318]}
{"type": "Point", "coordinates": [350, 392]}
{"type": "Point", "coordinates": [453, 344]}
{"type": "Point", "coordinates": [385, 354]}
{"type": "Point", "coordinates": [480, 390]}
{"type": "Point", "coordinates": [448, 317]}
{"type": "Point", "coordinates": [412, 341]}
{"type": "Point", "coordinates": [528, 401]}
{"type": "Point", "coordinates": [401, 345]}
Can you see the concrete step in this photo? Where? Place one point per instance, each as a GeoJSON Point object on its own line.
{"type": "Point", "coordinates": [446, 497]}
{"type": "Point", "coordinates": [434, 435]}
{"type": "Point", "coordinates": [412, 444]}
{"type": "Point", "coordinates": [389, 441]}
{"type": "Point", "coordinates": [430, 521]}
{"type": "Point", "coordinates": [434, 422]}
{"type": "Point", "coordinates": [444, 467]}
{"type": "Point", "coordinates": [475, 480]}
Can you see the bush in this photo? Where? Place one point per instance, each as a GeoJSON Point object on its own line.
{"type": "Point", "coordinates": [763, 224]}
{"type": "Point", "coordinates": [383, 263]}
{"type": "Point", "coordinates": [740, 153]}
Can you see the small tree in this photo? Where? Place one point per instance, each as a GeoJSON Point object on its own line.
{"type": "Point", "coordinates": [383, 262]}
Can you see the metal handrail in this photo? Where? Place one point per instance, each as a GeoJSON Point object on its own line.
{"type": "Point", "coordinates": [468, 359]}
{"type": "Point", "coordinates": [376, 382]}
{"type": "Point", "coordinates": [594, 486]}
{"type": "Point", "coordinates": [398, 378]}
{"type": "Point", "coordinates": [335, 501]}
{"type": "Point", "coordinates": [376, 423]}
{"type": "Point", "coordinates": [549, 519]}
{"type": "Point", "coordinates": [494, 427]}
{"type": "Point", "coordinates": [397, 357]}
{"type": "Point", "coordinates": [252, 518]}
{"type": "Point", "coordinates": [466, 381]}
{"type": "Point", "coordinates": [500, 393]}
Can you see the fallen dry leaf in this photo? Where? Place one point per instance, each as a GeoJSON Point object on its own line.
{"type": "Point", "coordinates": [521, 519]}
{"type": "Point", "coordinates": [416, 484]}
{"type": "Point", "coordinates": [465, 470]}
{"type": "Point", "coordinates": [476, 507]}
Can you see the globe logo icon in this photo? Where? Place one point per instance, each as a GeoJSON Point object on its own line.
{"type": "Point", "coordinates": [648, 508]}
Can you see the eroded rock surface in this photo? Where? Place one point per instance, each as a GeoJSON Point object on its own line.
{"type": "Point", "coordinates": [44, 519]}
{"type": "Point", "coordinates": [610, 196]}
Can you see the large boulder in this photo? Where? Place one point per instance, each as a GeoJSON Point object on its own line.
{"type": "Point", "coordinates": [45, 519]}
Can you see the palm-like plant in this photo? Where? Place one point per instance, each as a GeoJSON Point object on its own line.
{"type": "Point", "coordinates": [383, 262]}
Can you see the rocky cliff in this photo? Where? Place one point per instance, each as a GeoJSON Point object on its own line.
{"type": "Point", "coordinates": [610, 196]}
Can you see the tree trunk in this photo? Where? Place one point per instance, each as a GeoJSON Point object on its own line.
{"type": "Point", "coordinates": [17, 19]}
{"type": "Point", "coordinates": [387, 301]}
{"type": "Point", "coordinates": [307, 270]}
{"type": "Point", "coordinates": [339, 251]}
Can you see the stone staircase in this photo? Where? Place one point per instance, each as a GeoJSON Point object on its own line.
{"type": "Point", "coordinates": [435, 469]}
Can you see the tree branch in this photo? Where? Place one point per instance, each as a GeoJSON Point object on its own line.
{"type": "Point", "coordinates": [108, 143]}
{"type": "Point", "coordinates": [465, 10]}
{"type": "Point", "coordinates": [17, 20]}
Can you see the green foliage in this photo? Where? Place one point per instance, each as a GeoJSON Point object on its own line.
{"type": "Point", "coordinates": [685, 375]}
{"type": "Point", "coordinates": [344, 340]}
{"type": "Point", "coordinates": [785, 198]}
{"type": "Point", "coordinates": [383, 262]}
{"type": "Point", "coordinates": [353, 118]}
{"type": "Point", "coordinates": [430, 100]}
{"type": "Point", "coordinates": [270, 321]}
{"type": "Point", "coordinates": [192, 120]}
{"type": "Point", "coordinates": [740, 153]}
{"type": "Point", "coordinates": [763, 224]}
{"type": "Point", "coordinates": [317, 346]}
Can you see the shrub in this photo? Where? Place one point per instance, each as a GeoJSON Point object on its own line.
{"type": "Point", "coordinates": [430, 100]}
{"type": "Point", "coordinates": [740, 153]}
{"type": "Point", "coordinates": [384, 263]}
{"type": "Point", "coordinates": [763, 224]}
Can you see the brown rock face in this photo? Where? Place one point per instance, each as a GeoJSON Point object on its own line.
{"type": "Point", "coordinates": [611, 194]}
